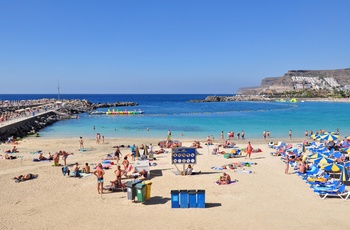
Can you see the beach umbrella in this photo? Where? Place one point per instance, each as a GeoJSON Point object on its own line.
{"type": "Point", "coordinates": [145, 152]}
{"type": "Point", "coordinates": [315, 136]}
{"type": "Point", "coordinates": [137, 152]}
{"type": "Point", "coordinates": [317, 155]}
{"type": "Point", "coordinates": [329, 137]}
{"type": "Point", "coordinates": [333, 167]}
{"type": "Point", "coordinates": [344, 176]}
{"type": "Point", "coordinates": [322, 161]}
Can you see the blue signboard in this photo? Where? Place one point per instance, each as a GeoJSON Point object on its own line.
{"type": "Point", "coordinates": [184, 155]}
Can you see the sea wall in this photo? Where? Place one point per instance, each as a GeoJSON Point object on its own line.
{"type": "Point", "coordinates": [233, 98]}
{"type": "Point", "coordinates": [29, 125]}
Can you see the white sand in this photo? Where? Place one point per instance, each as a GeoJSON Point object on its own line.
{"type": "Point", "coordinates": [268, 199]}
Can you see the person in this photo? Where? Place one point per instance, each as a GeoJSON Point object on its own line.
{"type": "Point", "coordinates": [76, 170]}
{"type": "Point", "coordinates": [81, 142]}
{"type": "Point", "coordinates": [99, 173]}
{"type": "Point", "coordinates": [56, 159]}
{"type": "Point", "coordinates": [238, 135]}
{"type": "Point", "coordinates": [268, 134]}
{"type": "Point", "coordinates": [103, 139]}
{"type": "Point", "coordinates": [125, 163]}
{"type": "Point", "coordinates": [301, 167]}
{"type": "Point", "coordinates": [222, 135]}
{"type": "Point", "coordinates": [243, 135]}
{"type": "Point", "coordinates": [142, 175]}
{"type": "Point", "coordinates": [209, 141]}
{"type": "Point", "coordinates": [13, 150]}
{"type": "Point", "coordinates": [189, 171]}
{"type": "Point", "coordinates": [117, 154]}
{"type": "Point", "coordinates": [8, 157]}
{"type": "Point", "coordinates": [249, 150]}
{"type": "Point", "coordinates": [98, 136]}
{"type": "Point", "coordinates": [306, 134]}
{"type": "Point", "coordinates": [41, 157]}
{"type": "Point", "coordinates": [86, 168]}
{"type": "Point", "coordinates": [65, 156]}
{"type": "Point", "coordinates": [169, 135]}
{"type": "Point", "coordinates": [25, 177]}
{"type": "Point", "coordinates": [224, 179]}
{"type": "Point", "coordinates": [150, 149]}
{"type": "Point", "coordinates": [290, 134]}
{"type": "Point", "coordinates": [133, 152]}
{"type": "Point", "coordinates": [264, 134]}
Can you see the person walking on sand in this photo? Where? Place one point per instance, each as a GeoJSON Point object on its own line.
{"type": "Point", "coordinates": [249, 150]}
{"type": "Point", "coordinates": [99, 172]}
{"type": "Point", "coordinates": [81, 143]}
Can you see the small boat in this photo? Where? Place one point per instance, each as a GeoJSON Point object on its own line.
{"type": "Point", "coordinates": [125, 112]}
{"type": "Point", "coordinates": [97, 113]}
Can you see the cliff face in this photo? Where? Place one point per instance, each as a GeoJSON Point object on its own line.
{"type": "Point", "coordinates": [286, 82]}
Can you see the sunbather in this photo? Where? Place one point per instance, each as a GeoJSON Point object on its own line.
{"type": "Point", "coordinates": [25, 177]}
{"type": "Point", "coordinates": [8, 157]}
{"type": "Point", "coordinates": [224, 179]}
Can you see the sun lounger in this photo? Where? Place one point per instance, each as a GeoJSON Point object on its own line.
{"type": "Point", "coordinates": [340, 192]}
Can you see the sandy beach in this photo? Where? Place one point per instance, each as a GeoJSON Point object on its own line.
{"type": "Point", "coordinates": [265, 199]}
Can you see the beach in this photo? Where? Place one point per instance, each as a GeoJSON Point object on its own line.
{"type": "Point", "coordinates": [265, 199]}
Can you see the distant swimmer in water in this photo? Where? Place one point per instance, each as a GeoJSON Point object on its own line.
{"type": "Point", "coordinates": [147, 129]}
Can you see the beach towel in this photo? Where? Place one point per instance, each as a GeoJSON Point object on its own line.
{"type": "Point", "coordinates": [36, 152]}
{"type": "Point", "coordinates": [37, 160]}
{"type": "Point", "coordinates": [231, 182]}
{"type": "Point", "coordinates": [81, 175]}
{"type": "Point", "coordinates": [83, 149]}
{"type": "Point", "coordinates": [245, 171]}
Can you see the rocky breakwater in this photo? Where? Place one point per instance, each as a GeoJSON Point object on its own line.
{"type": "Point", "coordinates": [83, 106]}
{"type": "Point", "coordinates": [25, 126]}
{"type": "Point", "coordinates": [233, 98]}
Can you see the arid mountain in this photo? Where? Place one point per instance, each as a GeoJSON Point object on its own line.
{"type": "Point", "coordinates": [300, 79]}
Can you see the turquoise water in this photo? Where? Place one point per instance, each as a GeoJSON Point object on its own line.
{"type": "Point", "coordinates": [198, 120]}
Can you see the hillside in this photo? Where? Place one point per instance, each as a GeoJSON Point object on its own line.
{"type": "Point", "coordinates": [301, 79]}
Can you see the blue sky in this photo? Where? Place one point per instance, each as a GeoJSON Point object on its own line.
{"type": "Point", "coordinates": [163, 46]}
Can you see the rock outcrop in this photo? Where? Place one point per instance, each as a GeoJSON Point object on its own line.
{"type": "Point", "coordinates": [285, 83]}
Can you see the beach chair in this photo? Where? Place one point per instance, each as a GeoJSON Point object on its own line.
{"type": "Point", "coordinates": [340, 192]}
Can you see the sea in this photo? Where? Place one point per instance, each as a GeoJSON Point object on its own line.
{"type": "Point", "coordinates": [189, 120]}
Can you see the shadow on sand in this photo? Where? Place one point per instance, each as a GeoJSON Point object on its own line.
{"type": "Point", "coordinates": [212, 205]}
{"type": "Point", "coordinates": [156, 200]}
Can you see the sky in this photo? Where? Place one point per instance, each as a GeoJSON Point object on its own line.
{"type": "Point", "coordinates": [165, 46]}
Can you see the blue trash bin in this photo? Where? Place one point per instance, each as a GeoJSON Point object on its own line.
{"type": "Point", "coordinates": [183, 199]}
{"type": "Point", "coordinates": [175, 198]}
{"type": "Point", "coordinates": [200, 198]}
{"type": "Point", "coordinates": [192, 196]}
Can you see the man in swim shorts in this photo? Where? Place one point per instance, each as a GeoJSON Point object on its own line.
{"type": "Point", "coordinates": [99, 172]}
{"type": "Point", "coordinates": [249, 150]}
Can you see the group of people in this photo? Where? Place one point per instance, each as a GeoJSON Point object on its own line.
{"type": "Point", "coordinates": [231, 135]}
{"type": "Point", "coordinates": [56, 157]}
{"type": "Point", "coordinates": [266, 134]}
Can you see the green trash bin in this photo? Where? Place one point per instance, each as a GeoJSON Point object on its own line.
{"type": "Point", "coordinates": [141, 192]}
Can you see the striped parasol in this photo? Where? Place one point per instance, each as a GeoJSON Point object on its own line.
{"type": "Point", "coordinates": [333, 167]}
{"type": "Point", "coordinates": [344, 174]}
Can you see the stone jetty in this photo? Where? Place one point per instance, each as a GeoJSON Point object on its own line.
{"type": "Point", "coordinates": [233, 98]}
{"type": "Point", "coordinates": [28, 117]}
